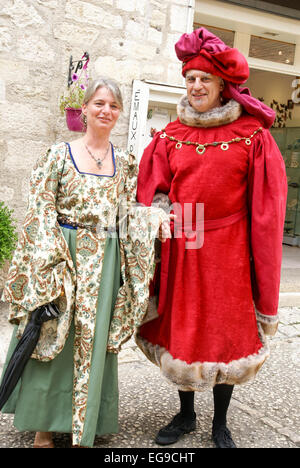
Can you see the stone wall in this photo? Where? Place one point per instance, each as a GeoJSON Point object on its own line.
{"type": "Point", "coordinates": [126, 40]}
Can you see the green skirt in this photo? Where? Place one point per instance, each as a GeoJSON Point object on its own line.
{"type": "Point", "coordinates": [42, 400]}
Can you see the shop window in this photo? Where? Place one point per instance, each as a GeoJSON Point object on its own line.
{"type": "Point", "coordinates": [226, 35]}
{"type": "Point", "coordinates": [275, 51]}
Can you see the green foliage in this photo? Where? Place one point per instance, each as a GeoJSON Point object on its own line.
{"type": "Point", "coordinates": [8, 234]}
{"type": "Point", "coordinates": [73, 98]}
{"type": "Point", "coordinates": [74, 95]}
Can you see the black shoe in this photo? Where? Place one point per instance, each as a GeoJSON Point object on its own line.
{"type": "Point", "coordinates": [222, 437]}
{"type": "Point", "coordinates": [179, 426]}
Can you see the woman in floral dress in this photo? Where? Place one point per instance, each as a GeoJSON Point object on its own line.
{"type": "Point", "coordinates": [75, 250]}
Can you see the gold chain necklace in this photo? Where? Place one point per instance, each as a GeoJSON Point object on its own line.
{"type": "Point", "coordinates": [97, 160]}
{"type": "Point", "coordinates": [201, 147]}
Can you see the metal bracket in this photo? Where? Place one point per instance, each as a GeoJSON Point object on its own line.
{"type": "Point", "coordinates": [79, 66]}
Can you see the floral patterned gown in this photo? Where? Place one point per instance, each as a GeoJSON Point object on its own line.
{"type": "Point", "coordinates": [80, 269]}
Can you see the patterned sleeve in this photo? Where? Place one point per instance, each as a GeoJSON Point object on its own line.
{"type": "Point", "coordinates": [41, 270]}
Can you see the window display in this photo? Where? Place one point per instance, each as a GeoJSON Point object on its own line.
{"type": "Point", "coordinates": [288, 140]}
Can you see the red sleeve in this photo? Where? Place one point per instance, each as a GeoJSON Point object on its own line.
{"type": "Point", "coordinates": [267, 200]}
{"type": "Point", "coordinates": [154, 171]}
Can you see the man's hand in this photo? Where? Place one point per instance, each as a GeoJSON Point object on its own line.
{"type": "Point", "coordinates": [164, 230]}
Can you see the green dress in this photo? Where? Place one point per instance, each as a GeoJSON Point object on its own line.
{"type": "Point", "coordinates": [42, 399]}
{"type": "Point", "coordinates": [99, 281]}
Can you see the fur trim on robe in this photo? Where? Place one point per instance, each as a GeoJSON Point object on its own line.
{"type": "Point", "coordinates": [200, 376]}
{"type": "Point", "coordinates": [215, 117]}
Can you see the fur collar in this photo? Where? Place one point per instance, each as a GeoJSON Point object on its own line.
{"type": "Point", "coordinates": [212, 118]}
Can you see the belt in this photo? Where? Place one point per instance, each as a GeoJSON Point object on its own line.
{"type": "Point", "coordinates": [65, 221]}
{"type": "Point", "coordinates": [210, 224]}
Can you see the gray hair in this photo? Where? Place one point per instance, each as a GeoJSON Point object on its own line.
{"type": "Point", "coordinates": [102, 82]}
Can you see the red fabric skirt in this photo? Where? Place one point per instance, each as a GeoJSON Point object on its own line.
{"type": "Point", "coordinates": [206, 311]}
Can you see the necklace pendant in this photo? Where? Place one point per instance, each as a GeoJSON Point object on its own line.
{"type": "Point", "coordinates": [99, 163]}
{"type": "Point", "coordinates": [200, 149]}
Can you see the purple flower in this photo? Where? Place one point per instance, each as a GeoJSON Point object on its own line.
{"type": "Point", "coordinates": [82, 86]}
{"type": "Point", "coordinates": [74, 77]}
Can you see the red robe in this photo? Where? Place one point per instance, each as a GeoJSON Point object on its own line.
{"type": "Point", "coordinates": [215, 303]}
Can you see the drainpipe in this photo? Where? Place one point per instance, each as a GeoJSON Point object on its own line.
{"type": "Point", "coordinates": [190, 16]}
{"type": "Point", "coordinates": [189, 21]}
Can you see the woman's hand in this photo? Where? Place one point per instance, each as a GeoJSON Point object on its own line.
{"type": "Point", "coordinates": [164, 230]}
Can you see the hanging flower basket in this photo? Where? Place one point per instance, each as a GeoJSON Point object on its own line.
{"type": "Point", "coordinates": [73, 119]}
{"type": "Point", "coordinates": [72, 99]}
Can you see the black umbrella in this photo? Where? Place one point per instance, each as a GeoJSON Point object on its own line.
{"type": "Point", "coordinates": [24, 349]}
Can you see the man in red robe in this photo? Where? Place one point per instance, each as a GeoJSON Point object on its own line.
{"type": "Point", "coordinates": [216, 288]}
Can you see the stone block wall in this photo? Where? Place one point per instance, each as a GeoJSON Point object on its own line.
{"type": "Point", "coordinates": [126, 40]}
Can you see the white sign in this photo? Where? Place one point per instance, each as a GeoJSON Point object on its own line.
{"type": "Point", "coordinates": [138, 118]}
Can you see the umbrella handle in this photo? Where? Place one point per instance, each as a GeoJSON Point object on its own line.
{"type": "Point", "coordinates": [44, 313]}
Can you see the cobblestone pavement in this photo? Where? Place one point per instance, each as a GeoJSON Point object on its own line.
{"type": "Point", "coordinates": [262, 414]}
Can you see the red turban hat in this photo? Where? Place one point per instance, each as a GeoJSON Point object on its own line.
{"type": "Point", "coordinates": [202, 50]}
